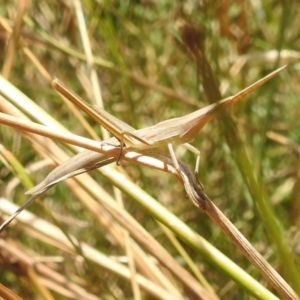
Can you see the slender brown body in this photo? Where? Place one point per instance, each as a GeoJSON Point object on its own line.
{"type": "Point", "coordinates": [176, 130]}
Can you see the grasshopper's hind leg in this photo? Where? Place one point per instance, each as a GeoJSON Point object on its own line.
{"type": "Point", "coordinates": [197, 165]}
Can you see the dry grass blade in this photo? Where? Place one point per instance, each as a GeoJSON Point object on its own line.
{"type": "Point", "coordinates": [244, 163]}
{"type": "Point", "coordinates": [43, 230]}
{"type": "Point", "coordinates": [204, 203]}
{"type": "Point", "coordinates": [8, 294]}
{"type": "Point", "coordinates": [149, 71]}
{"type": "Point", "coordinates": [142, 236]}
{"type": "Point", "coordinates": [13, 42]}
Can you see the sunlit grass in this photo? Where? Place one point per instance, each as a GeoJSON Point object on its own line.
{"type": "Point", "coordinates": [147, 74]}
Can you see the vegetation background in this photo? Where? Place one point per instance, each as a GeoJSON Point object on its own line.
{"type": "Point", "coordinates": [148, 71]}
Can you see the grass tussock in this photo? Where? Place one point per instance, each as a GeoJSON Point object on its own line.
{"type": "Point", "coordinates": [97, 236]}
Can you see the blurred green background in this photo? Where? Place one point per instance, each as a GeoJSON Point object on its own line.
{"type": "Point", "coordinates": [148, 68]}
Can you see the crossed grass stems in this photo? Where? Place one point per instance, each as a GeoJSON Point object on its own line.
{"type": "Point", "coordinates": [159, 161]}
